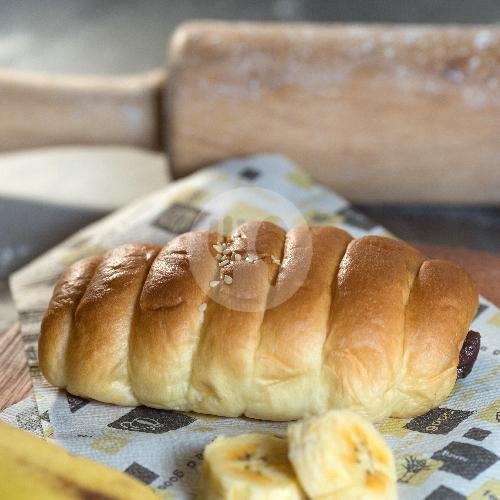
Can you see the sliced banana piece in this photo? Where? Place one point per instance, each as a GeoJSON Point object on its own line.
{"type": "Point", "coordinates": [251, 466]}
{"type": "Point", "coordinates": [340, 455]}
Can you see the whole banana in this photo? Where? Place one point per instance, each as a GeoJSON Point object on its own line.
{"type": "Point", "coordinates": [31, 468]}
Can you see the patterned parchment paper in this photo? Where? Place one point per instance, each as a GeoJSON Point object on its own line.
{"type": "Point", "coordinates": [449, 453]}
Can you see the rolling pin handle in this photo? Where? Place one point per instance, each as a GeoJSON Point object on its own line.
{"type": "Point", "coordinates": [39, 110]}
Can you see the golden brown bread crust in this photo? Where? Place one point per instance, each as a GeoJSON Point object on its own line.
{"type": "Point", "coordinates": [441, 305]}
{"type": "Point", "coordinates": [222, 369]}
{"type": "Point", "coordinates": [303, 321]}
{"type": "Point", "coordinates": [167, 322]}
{"type": "Point", "coordinates": [289, 357]}
{"type": "Point", "coordinates": [363, 353]}
{"type": "Point", "coordinates": [97, 349]}
{"type": "Point", "coordinates": [58, 321]}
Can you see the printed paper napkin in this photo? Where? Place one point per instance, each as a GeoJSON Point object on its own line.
{"type": "Point", "coordinates": [449, 453]}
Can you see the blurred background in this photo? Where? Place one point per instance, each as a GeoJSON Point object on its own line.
{"type": "Point", "coordinates": [122, 36]}
{"type": "Point", "coordinates": [47, 195]}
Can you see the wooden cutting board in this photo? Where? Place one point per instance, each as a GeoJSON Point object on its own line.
{"type": "Point", "coordinates": [15, 383]}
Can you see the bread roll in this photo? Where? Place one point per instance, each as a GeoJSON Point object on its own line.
{"type": "Point", "coordinates": [264, 323]}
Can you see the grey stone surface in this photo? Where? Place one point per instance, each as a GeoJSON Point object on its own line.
{"type": "Point", "coordinates": [116, 36]}
{"type": "Point", "coordinates": [29, 228]}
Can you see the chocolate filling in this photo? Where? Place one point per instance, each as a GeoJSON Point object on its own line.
{"type": "Point", "coordinates": [468, 354]}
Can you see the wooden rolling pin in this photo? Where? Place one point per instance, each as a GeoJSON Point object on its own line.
{"type": "Point", "coordinates": [379, 112]}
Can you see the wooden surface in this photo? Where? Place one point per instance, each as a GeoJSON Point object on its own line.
{"type": "Point", "coordinates": [15, 382]}
{"type": "Point", "coordinates": [393, 113]}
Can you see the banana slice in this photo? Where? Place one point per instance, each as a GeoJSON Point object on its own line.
{"type": "Point", "coordinates": [340, 455]}
{"type": "Point", "coordinates": [251, 466]}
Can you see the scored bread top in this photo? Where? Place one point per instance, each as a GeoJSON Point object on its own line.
{"type": "Point", "coordinates": [265, 323]}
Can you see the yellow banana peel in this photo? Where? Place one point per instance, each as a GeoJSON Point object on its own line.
{"type": "Point", "coordinates": [31, 468]}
